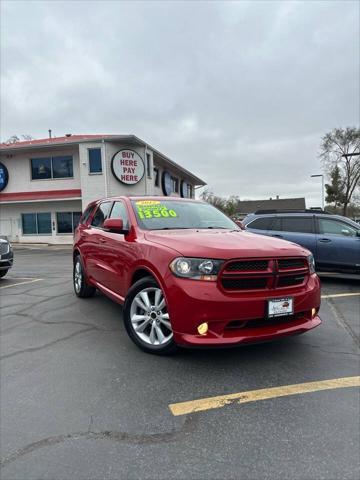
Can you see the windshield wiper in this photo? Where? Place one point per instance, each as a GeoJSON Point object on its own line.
{"type": "Point", "coordinates": [217, 228]}
{"type": "Point", "coordinates": [173, 228]}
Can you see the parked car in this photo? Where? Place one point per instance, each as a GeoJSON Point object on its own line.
{"type": "Point", "coordinates": [6, 256]}
{"type": "Point", "coordinates": [332, 239]}
{"type": "Point", "coordinates": [188, 275]}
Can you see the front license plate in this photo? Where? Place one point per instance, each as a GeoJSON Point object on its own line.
{"type": "Point", "coordinates": [280, 306]}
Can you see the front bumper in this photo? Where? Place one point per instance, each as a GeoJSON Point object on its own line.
{"type": "Point", "coordinates": [235, 318]}
{"type": "Point", "coordinates": [6, 260]}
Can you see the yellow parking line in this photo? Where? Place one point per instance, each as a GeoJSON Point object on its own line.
{"type": "Point", "coordinates": [22, 283]}
{"type": "Point", "coordinates": [337, 295]}
{"type": "Point", "coordinates": [202, 404]}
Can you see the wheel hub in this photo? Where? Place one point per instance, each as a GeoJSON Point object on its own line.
{"type": "Point", "coordinates": [149, 317]}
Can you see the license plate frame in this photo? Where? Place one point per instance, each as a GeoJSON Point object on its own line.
{"type": "Point", "coordinates": [280, 307]}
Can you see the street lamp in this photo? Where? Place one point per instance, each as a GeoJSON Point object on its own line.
{"type": "Point", "coordinates": [322, 189]}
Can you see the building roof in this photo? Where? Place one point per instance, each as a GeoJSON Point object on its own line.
{"type": "Point", "coordinates": [250, 206]}
{"type": "Point", "coordinates": [77, 139]}
{"type": "Point", "coordinates": [67, 139]}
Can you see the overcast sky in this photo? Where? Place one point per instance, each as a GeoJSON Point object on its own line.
{"type": "Point", "coordinates": [239, 93]}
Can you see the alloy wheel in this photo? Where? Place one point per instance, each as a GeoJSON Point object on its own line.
{"type": "Point", "coordinates": [77, 277]}
{"type": "Point", "coordinates": [149, 317]}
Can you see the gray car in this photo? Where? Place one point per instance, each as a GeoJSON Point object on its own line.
{"type": "Point", "coordinates": [6, 256]}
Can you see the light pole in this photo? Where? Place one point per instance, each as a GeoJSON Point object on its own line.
{"type": "Point", "coordinates": [322, 189]}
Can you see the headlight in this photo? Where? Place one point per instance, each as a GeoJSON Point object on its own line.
{"type": "Point", "coordinates": [196, 268]}
{"type": "Point", "coordinates": [311, 263]}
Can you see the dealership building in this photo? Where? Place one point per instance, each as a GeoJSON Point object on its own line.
{"type": "Point", "coordinates": [46, 184]}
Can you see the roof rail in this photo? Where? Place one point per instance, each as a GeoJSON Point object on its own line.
{"type": "Point", "coordinates": [307, 210]}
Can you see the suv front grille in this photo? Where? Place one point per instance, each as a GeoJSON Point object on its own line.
{"type": "Point", "coordinates": [263, 274]}
{"type": "Point", "coordinates": [291, 263]}
{"type": "Point", "coordinates": [244, 283]}
{"type": "Point", "coordinates": [248, 265]}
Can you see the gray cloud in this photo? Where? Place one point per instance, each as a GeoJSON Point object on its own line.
{"type": "Point", "coordinates": [238, 92]}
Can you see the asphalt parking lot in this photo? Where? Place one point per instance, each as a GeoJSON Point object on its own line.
{"type": "Point", "coordinates": [80, 401]}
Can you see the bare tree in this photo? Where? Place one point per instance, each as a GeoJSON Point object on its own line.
{"type": "Point", "coordinates": [16, 138]}
{"type": "Point", "coordinates": [12, 139]}
{"type": "Point", "coordinates": [209, 197]}
{"type": "Point", "coordinates": [336, 149]}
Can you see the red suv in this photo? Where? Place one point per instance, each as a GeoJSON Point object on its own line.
{"type": "Point", "coordinates": [188, 275]}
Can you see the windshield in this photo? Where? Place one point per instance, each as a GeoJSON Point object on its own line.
{"type": "Point", "coordinates": [173, 214]}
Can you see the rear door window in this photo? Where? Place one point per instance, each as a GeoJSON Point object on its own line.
{"type": "Point", "coordinates": [101, 214]}
{"type": "Point", "coordinates": [298, 224]}
{"type": "Point", "coordinates": [261, 223]}
{"type": "Point", "coordinates": [276, 224]}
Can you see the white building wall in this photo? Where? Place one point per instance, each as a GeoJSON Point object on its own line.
{"type": "Point", "coordinates": [92, 184]}
{"type": "Point", "coordinates": [10, 220]}
{"type": "Point", "coordinates": [18, 165]}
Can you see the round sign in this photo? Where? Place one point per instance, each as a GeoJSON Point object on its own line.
{"type": "Point", "coordinates": [4, 176]}
{"type": "Point", "coordinates": [184, 190]}
{"type": "Point", "coordinates": [166, 183]}
{"type": "Point", "coordinates": [127, 166]}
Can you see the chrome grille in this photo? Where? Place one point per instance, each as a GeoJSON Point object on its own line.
{"type": "Point", "coordinates": [4, 248]}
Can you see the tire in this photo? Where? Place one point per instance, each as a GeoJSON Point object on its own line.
{"type": "Point", "coordinates": [146, 318]}
{"type": "Point", "coordinates": [81, 287]}
{"type": "Point", "coordinates": [3, 273]}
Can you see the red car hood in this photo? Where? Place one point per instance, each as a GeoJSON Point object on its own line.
{"type": "Point", "coordinates": [224, 244]}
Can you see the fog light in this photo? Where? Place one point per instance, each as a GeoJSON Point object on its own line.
{"type": "Point", "coordinates": [313, 312]}
{"type": "Point", "coordinates": [203, 328]}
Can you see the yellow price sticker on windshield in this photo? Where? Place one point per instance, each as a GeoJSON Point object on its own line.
{"type": "Point", "coordinates": [148, 211]}
{"type": "Point", "coordinates": [148, 202]}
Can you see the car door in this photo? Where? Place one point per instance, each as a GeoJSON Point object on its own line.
{"type": "Point", "coordinates": [338, 244]}
{"type": "Point", "coordinates": [95, 254]}
{"type": "Point", "coordinates": [298, 229]}
{"type": "Point", "coordinates": [118, 251]}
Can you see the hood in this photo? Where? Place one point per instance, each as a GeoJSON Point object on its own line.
{"type": "Point", "coordinates": [224, 244]}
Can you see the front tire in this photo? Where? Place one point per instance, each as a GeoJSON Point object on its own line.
{"type": "Point", "coordinates": [146, 318]}
{"type": "Point", "coordinates": [81, 287]}
{"type": "Point", "coordinates": [3, 273]}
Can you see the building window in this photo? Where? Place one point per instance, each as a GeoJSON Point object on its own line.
{"type": "Point", "coordinates": [67, 221]}
{"type": "Point", "coordinates": [36, 223]}
{"type": "Point", "coordinates": [62, 167]}
{"type": "Point", "coordinates": [148, 165]}
{"type": "Point", "coordinates": [175, 184]}
{"type": "Point", "coordinates": [156, 175]}
{"type": "Point", "coordinates": [190, 190]}
{"type": "Point", "coordinates": [40, 168]}
{"type": "Point", "coordinates": [52, 167]}
{"type": "Point", "coordinates": [95, 165]}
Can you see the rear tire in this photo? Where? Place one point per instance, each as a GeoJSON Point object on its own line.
{"type": "Point", "coordinates": [3, 273]}
{"type": "Point", "coordinates": [81, 287]}
{"type": "Point", "coordinates": [146, 318]}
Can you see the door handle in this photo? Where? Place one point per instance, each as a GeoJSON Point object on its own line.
{"type": "Point", "coordinates": [277, 236]}
{"type": "Point", "coordinates": [102, 240]}
{"type": "Point", "coordinates": [325, 240]}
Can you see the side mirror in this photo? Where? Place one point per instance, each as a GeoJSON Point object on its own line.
{"type": "Point", "coordinates": [115, 225]}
